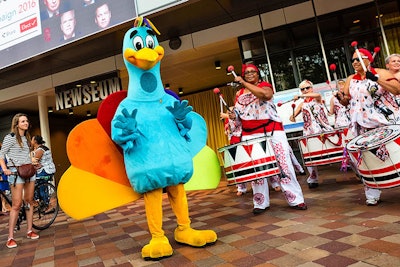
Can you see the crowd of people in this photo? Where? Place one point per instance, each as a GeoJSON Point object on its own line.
{"type": "Point", "coordinates": [365, 100]}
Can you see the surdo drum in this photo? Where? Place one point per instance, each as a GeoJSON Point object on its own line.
{"type": "Point", "coordinates": [376, 154]}
{"type": "Point", "coordinates": [249, 160]}
{"type": "Point", "coordinates": [347, 135]}
{"type": "Point", "coordinates": [321, 149]}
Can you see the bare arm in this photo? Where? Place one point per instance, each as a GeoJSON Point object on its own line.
{"type": "Point", "coordinates": [388, 81]}
{"type": "Point", "coordinates": [331, 106]}
{"type": "Point", "coordinates": [263, 93]}
{"type": "Point", "coordinates": [344, 97]}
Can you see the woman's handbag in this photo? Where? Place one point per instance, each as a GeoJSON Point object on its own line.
{"type": "Point", "coordinates": [26, 171]}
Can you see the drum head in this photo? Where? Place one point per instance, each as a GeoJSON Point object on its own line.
{"type": "Point", "coordinates": [374, 138]}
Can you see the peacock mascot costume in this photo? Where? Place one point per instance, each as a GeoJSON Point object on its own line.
{"type": "Point", "coordinates": [150, 143]}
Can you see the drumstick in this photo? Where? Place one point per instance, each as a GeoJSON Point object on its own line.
{"type": "Point", "coordinates": [280, 103]}
{"type": "Point", "coordinates": [231, 69]}
{"type": "Point", "coordinates": [293, 107]}
{"type": "Point", "coordinates": [376, 51]}
{"type": "Point", "coordinates": [332, 67]}
{"type": "Point", "coordinates": [329, 85]}
{"type": "Point", "coordinates": [218, 92]}
{"type": "Point", "coordinates": [354, 44]}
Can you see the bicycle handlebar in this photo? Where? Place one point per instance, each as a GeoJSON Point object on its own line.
{"type": "Point", "coordinates": [12, 173]}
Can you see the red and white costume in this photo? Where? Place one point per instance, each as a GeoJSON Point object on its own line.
{"type": "Point", "coordinates": [342, 115]}
{"type": "Point", "coordinates": [364, 114]}
{"type": "Point", "coordinates": [315, 122]}
{"type": "Point", "coordinates": [260, 118]}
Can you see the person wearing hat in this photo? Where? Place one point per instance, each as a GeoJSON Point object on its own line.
{"type": "Point", "coordinates": [315, 120]}
{"type": "Point", "coordinates": [362, 91]}
{"type": "Point", "coordinates": [255, 111]}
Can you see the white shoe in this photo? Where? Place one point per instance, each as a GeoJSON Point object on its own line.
{"type": "Point", "coordinates": [372, 202]}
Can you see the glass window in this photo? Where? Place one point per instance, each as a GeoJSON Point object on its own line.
{"type": "Point", "coordinates": [309, 65]}
{"type": "Point", "coordinates": [282, 69]}
{"type": "Point", "coordinates": [278, 40]}
{"type": "Point", "coordinates": [336, 54]}
{"type": "Point", "coordinates": [253, 47]}
{"type": "Point", "coordinates": [305, 34]}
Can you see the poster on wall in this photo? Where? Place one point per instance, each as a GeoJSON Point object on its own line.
{"type": "Point", "coordinates": [33, 27]}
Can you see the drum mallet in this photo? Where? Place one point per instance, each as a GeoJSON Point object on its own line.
{"type": "Point", "coordinates": [354, 44]}
{"type": "Point", "coordinates": [329, 85]}
{"type": "Point", "coordinates": [293, 107]}
{"type": "Point", "coordinates": [376, 51]}
{"type": "Point", "coordinates": [281, 103]}
{"type": "Point", "coordinates": [218, 92]}
{"type": "Point", "coordinates": [231, 69]}
{"type": "Point", "coordinates": [332, 67]}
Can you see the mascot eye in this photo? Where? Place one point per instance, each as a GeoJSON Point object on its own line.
{"type": "Point", "coordinates": [137, 43]}
{"type": "Point", "coordinates": [150, 42]}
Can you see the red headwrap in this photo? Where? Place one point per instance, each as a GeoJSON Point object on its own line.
{"type": "Point", "coordinates": [367, 54]}
{"type": "Point", "coordinates": [248, 65]}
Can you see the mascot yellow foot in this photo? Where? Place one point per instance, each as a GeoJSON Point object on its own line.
{"type": "Point", "coordinates": [194, 238]}
{"type": "Point", "coordinates": [158, 248]}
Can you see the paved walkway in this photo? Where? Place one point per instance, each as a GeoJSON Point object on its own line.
{"type": "Point", "coordinates": [338, 229]}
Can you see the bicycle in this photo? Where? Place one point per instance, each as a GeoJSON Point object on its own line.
{"type": "Point", "coordinates": [45, 207]}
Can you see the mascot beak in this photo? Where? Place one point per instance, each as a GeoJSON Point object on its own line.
{"type": "Point", "coordinates": [145, 58]}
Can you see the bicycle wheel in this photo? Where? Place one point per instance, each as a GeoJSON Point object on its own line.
{"type": "Point", "coordinates": [46, 207]}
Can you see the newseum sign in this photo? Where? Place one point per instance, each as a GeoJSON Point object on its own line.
{"type": "Point", "coordinates": [93, 90]}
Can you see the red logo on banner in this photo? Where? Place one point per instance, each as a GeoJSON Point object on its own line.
{"type": "Point", "coordinates": [27, 25]}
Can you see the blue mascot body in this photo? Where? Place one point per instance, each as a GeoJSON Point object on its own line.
{"type": "Point", "coordinates": [159, 136]}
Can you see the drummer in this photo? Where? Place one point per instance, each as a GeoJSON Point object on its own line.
{"type": "Point", "coordinates": [342, 119]}
{"type": "Point", "coordinates": [256, 112]}
{"type": "Point", "coordinates": [315, 120]}
{"type": "Point", "coordinates": [341, 113]}
{"type": "Point", "coordinates": [359, 92]}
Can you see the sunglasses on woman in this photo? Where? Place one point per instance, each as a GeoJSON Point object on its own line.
{"type": "Point", "coordinates": [305, 88]}
{"type": "Point", "coordinates": [357, 59]}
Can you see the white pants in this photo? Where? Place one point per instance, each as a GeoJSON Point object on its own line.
{"type": "Point", "coordinates": [287, 180]}
{"type": "Point", "coordinates": [296, 164]}
{"type": "Point", "coordinates": [313, 178]}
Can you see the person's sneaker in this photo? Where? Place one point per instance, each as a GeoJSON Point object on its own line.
{"type": "Point", "coordinates": [257, 211]}
{"type": "Point", "coordinates": [372, 202]}
{"type": "Point", "coordinates": [312, 185]}
{"type": "Point", "coordinates": [11, 243]}
{"type": "Point", "coordinates": [301, 206]}
{"type": "Point", "coordinates": [32, 235]}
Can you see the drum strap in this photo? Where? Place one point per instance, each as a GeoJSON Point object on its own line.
{"type": "Point", "coordinates": [266, 126]}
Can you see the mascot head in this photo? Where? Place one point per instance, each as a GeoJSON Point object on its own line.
{"type": "Point", "coordinates": [140, 47]}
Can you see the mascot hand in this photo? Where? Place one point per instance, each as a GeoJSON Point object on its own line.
{"type": "Point", "coordinates": [127, 123]}
{"type": "Point", "coordinates": [180, 110]}
{"type": "Point", "coordinates": [184, 131]}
